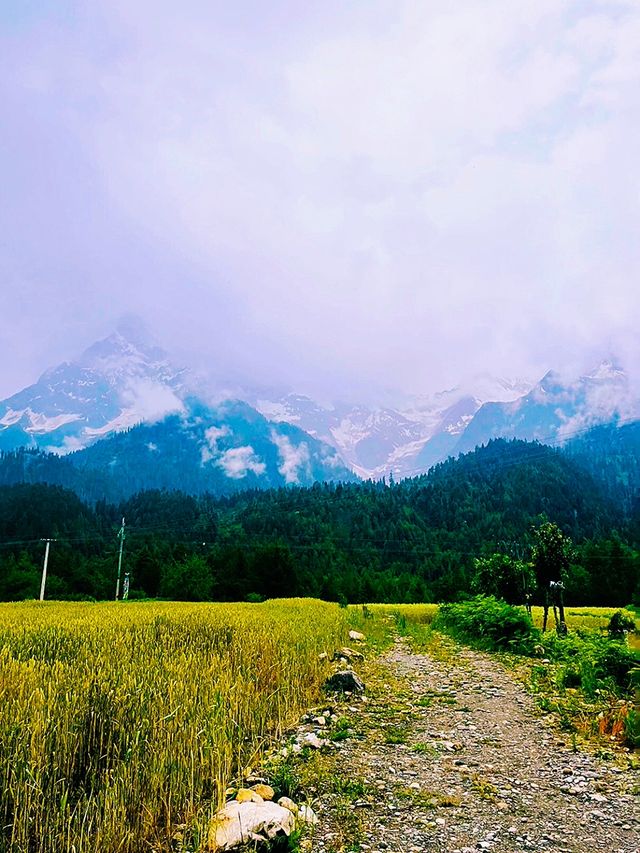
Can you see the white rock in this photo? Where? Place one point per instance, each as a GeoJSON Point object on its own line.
{"type": "Point", "coordinates": [307, 815]}
{"type": "Point", "coordinates": [356, 635]}
{"type": "Point", "coordinates": [288, 803]}
{"type": "Point", "coordinates": [239, 823]}
{"type": "Point", "coordinates": [311, 739]}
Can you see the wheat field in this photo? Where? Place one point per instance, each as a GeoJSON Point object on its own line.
{"type": "Point", "coordinates": [120, 722]}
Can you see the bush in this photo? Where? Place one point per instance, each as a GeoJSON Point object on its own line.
{"type": "Point", "coordinates": [620, 625]}
{"type": "Point", "coordinates": [592, 662]}
{"type": "Point", "coordinates": [489, 623]}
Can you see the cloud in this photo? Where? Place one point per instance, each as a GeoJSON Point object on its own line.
{"type": "Point", "coordinates": [238, 461]}
{"type": "Point", "coordinates": [295, 460]}
{"type": "Point", "coordinates": [375, 194]}
{"type": "Point", "coordinates": [150, 400]}
{"type": "Point", "coordinates": [212, 435]}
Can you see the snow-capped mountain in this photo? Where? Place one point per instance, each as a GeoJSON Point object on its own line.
{"type": "Point", "coordinates": [374, 441]}
{"type": "Point", "coordinates": [116, 383]}
{"type": "Point", "coordinates": [556, 409]}
{"type": "Point", "coordinates": [124, 381]}
{"type": "Point", "coordinates": [92, 405]}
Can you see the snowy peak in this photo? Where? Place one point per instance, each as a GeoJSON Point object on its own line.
{"type": "Point", "coordinates": [118, 358]}
{"type": "Point", "coordinates": [608, 371]}
{"type": "Point", "coordinates": [116, 383]}
{"type": "Point", "coordinates": [557, 409]}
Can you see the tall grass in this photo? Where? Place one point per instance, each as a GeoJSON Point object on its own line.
{"type": "Point", "coordinates": [120, 721]}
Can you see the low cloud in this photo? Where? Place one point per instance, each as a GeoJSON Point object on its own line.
{"type": "Point", "coordinates": [150, 400]}
{"type": "Point", "coordinates": [239, 461]}
{"type": "Point", "coordinates": [295, 461]}
{"type": "Point", "coordinates": [212, 435]}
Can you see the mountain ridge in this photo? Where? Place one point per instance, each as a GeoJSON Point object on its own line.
{"type": "Point", "coordinates": [126, 380]}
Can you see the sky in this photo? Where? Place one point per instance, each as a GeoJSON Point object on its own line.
{"type": "Point", "coordinates": [345, 197]}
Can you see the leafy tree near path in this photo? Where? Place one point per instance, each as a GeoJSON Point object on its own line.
{"type": "Point", "coordinates": [504, 577]}
{"type": "Point", "coordinates": [552, 552]}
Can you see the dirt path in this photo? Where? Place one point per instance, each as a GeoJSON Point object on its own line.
{"type": "Point", "coordinates": [455, 757]}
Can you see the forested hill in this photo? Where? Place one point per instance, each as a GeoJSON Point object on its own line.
{"type": "Point", "coordinates": [219, 451]}
{"type": "Point", "coordinates": [414, 540]}
{"type": "Point", "coordinates": [611, 453]}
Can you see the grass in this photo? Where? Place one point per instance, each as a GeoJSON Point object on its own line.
{"type": "Point", "coordinates": [395, 735]}
{"type": "Point", "coordinates": [120, 722]}
{"type": "Point", "coordinates": [584, 618]}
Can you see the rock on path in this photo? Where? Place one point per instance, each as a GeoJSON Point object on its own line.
{"type": "Point", "coordinates": [458, 759]}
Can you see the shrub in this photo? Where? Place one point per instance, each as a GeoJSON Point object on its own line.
{"type": "Point", "coordinates": [620, 625]}
{"type": "Point", "coordinates": [592, 662]}
{"type": "Point", "coordinates": [490, 623]}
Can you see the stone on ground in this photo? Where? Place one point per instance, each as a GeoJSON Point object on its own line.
{"type": "Point", "coordinates": [346, 681]}
{"type": "Point", "coordinates": [240, 823]}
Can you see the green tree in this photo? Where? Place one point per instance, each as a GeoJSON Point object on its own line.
{"type": "Point", "coordinates": [552, 553]}
{"type": "Point", "coordinates": [189, 580]}
{"type": "Point", "coordinates": [504, 577]}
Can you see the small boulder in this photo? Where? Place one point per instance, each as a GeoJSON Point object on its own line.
{"type": "Point", "coordinates": [348, 654]}
{"type": "Point", "coordinates": [264, 791]}
{"type": "Point", "coordinates": [356, 635]}
{"type": "Point", "coordinates": [245, 795]}
{"type": "Point", "coordinates": [239, 823]}
{"type": "Point", "coordinates": [288, 803]}
{"type": "Point", "coordinates": [311, 739]}
{"type": "Point", "coordinates": [307, 815]}
{"type": "Point", "coordinates": [346, 681]}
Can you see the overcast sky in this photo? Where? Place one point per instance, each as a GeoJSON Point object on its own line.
{"type": "Point", "coordinates": [378, 193]}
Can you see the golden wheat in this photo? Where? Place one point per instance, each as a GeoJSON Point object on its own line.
{"type": "Point", "coordinates": [119, 722]}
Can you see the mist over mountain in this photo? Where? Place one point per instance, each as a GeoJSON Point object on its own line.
{"type": "Point", "coordinates": [245, 435]}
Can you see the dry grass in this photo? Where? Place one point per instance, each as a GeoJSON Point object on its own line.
{"type": "Point", "coordinates": [120, 721]}
{"type": "Point", "coordinates": [420, 614]}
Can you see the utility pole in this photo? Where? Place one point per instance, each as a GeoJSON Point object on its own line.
{"type": "Point", "coordinates": [43, 582]}
{"type": "Point", "coordinates": [121, 537]}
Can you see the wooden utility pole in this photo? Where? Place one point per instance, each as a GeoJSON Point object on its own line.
{"type": "Point", "coordinates": [121, 537]}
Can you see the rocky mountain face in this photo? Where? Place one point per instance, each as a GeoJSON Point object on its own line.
{"type": "Point", "coordinates": [405, 440]}
{"type": "Point", "coordinates": [218, 449]}
{"type": "Point", "coordinates": [556, 410]}
{"type": "Point", "coordinates": [122, 406]}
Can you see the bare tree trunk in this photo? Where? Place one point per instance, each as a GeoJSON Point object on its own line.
{"type": "Point", "coordinates": [562, 627]}
{"type": "Point", "coordinates": [546, 610]}
{"type": "Point", "coordinates": [561, 606]}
